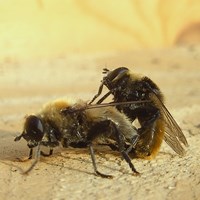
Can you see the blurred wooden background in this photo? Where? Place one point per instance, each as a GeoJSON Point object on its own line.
{"type": "Point", "coordinates": [43, 28]}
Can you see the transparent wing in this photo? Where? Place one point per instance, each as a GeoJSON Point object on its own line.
{"type": "Point", "coordinates": [75, 108]}
{"type": "Point", "coordinates": [174, 136]}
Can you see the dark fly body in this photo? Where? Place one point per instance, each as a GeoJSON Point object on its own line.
{"type": "Point", "coordinates": [156, 122]}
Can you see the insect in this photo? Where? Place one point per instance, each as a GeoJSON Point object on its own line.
{"type": "Point", "coordinates": [78, 125]}
{"type": "Point", "coordinates": [156, 122]}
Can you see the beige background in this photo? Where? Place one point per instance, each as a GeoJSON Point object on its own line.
{"type": "Point", "coordinates": [50, 50]}
{"type": "Point", "coordinates": [38, 28]}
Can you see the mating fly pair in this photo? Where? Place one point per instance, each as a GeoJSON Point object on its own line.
{"type": "Point", "coordinates": [80, 125]}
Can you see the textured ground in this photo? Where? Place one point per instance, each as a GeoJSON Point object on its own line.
{"type": "Point", "coordinates": [68, 174]}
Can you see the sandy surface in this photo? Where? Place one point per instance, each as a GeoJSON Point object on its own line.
{"type": "Point", "coordinates": [68, 174]}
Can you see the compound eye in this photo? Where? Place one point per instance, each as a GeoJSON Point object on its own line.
{"type": "Point", "coordinates": [33, 129]}
{"type": "Point", "coordinates": [117, 74]}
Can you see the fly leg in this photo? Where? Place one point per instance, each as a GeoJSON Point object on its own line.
{"type": "Point", "coordinates": [101, 99]}
{"type": "Point", "coordinates": [30, 154]}
{"type": "Point", "coordinates": [122, 149]}
{"type": "Point", "coordinates": [37, 157]}
{"type": "Point", "coordinates": [98, 94]}
{"type": "Point", "coordinates": [94, 163]}
{"type": "Point", "coordinates": [94, 132]}
{"type": "Point", "coordinates": [105, 127]}
{"type": "Point", "coordinates": [104, 97]}
{"type": "Point", "coordinates": [134, 141]}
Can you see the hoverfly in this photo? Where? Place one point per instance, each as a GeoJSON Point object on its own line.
{"type": "Point", "coordinates": [79, 125]}
{"type": "Point", "coordinates": [156, 122]}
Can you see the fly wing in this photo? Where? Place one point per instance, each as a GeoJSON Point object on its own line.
{"type": "Point", "coordinates": [75, 108]}
{"type": "Point", "coordinates": [173, 136]}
